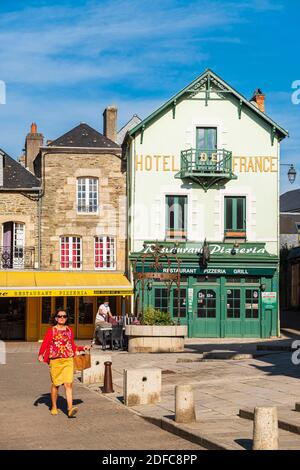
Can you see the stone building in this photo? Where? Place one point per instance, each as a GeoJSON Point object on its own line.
{"type": "Point", "coordinates": [19, 250]}
{"type": "Point", "coordinates": [81, 227]}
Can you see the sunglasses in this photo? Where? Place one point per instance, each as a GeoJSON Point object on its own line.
{"type": "Point", "coordinates": [61, 316]}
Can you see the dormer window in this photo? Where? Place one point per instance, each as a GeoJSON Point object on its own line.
{"type": "Point", "coordinates": [87, 195]}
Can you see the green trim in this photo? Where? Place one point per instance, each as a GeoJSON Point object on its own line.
{"type": "Point", "coordinates": [209, 74]}
{"type": "Point", "coordinates": [234, 211]}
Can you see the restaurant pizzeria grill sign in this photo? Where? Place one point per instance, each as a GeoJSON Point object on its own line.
{"type": "Point", "coordinates": [214, 249]}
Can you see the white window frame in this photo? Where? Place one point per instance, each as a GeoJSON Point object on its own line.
{"type": "Point", "coordinates": [87, 195]}
{"type": "Point", "coordinates": [16, 264]}
{"type": "Point", "coordinates": [105, 268]}
{"type": "Point", "coordinates": [70, 267]}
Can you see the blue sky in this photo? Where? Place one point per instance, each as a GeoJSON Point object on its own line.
{"type": "Point", "coordinates": [64, 61]}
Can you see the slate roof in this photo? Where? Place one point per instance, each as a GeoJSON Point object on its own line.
{"type": "Point", "coordinates": [83, 136]}
{"type": "Point", "coordinates": [16, 176]}
{"type": "Point", "coordinates": [134, 121]}
{"type": "Point", "coordinates": [290, 201]}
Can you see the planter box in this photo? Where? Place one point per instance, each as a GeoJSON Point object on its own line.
{"type": "Point", "coordinates": [155, 339]}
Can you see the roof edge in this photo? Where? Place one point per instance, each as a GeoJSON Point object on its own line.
{"type": "Point", "coordinates": [208, 71]}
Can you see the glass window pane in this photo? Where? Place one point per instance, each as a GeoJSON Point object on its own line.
{"type": "Point", "coordinates": [86, 310]}
{"type": "Point", "coordinates": [228, 212]}
{"type": "Point", "coordinates": [200, 142]}
{"type": "Point", "coordinates": [240, 214]}
{"type": "Point", "coordinates": [46, 310]}
{"type": "Point", "coordinates": [211, 138]}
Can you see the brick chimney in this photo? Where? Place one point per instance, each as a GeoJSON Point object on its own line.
{"type": "Point", "coordinates": [258, 99]}
{"type": "Point", "coordinates": [33, 142]}
{"type": "Point", "coordinates": [110, 122]}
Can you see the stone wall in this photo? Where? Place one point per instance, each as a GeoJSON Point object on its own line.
{"type": "Point", "coordinates": [16, 207]}
{"type": "Point", "coordinates": [59, 206]}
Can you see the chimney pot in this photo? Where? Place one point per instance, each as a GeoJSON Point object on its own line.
{"type": "Point", "coordinates": [259, 99]}
{"type": "Point", "coordinates": [33, 129]}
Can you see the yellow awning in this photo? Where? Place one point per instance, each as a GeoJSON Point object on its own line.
{"type": "Point", "coordinates": [55, 284]}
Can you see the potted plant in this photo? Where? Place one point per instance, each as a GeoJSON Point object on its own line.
{"type": "Point", "coordinates": [156, 333]}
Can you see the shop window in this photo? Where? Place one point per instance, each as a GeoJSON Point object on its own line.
{"type": "Point", "coordinates": [252, 280]}
{"type": "Point", "coordinates": [176, 217]}
{"type": "Point", "coordinates": [233, 303]}
{"type": "Point", "coordinates": [70, 253]}
{"type": "Point", "coordinates": [234, 280]}
{"type": "Point", "coordinates": [70, 307]}
{"type": "Point", "coordinates": [210, 279]}
{"type": "Point", "coordinates": [105, 253]}
{"type": "Point", "coordinates": [86, 305]}
{"type": "Point", "coordinates": [46, 310]}
{"type": "Point", "coordinates": [207, 303]}
{"type": "Point", "coordinates": [87, 195]}
{"type": "Point", "coordinates": [161, 299]}
{"type": "Point", "coordinates": [181, 312]}
{"type": "Point", "coordinates": [235, 217]}
{"type": "Point", "coordinates": [252, 303]}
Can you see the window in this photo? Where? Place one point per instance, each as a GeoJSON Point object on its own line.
{"type": "Point", "coordinates": [252, 303]}
{"type": "Point", "coordinates": [105, 253]}
{"type": "Point", "coordinates": [182, 303]}
{"type": "Point", "coordinates": [235, 216]}
{"type": "Point", "coordinates": [70, 253]}
{"type": "Point", "coordinates": [161, 299]}
{"type": "Point", "coordinates": [176, 217]}
{"type": "Point", "coordinates": [207, 303]}
{"type": "Point", "coordinates": [87, 195]}
{"type": "Point", "coordinates": [233, 303]}
{"type": "Point", "coordinates": [206, 138]}
{"type": "Point", "coordinates": [13, 255]}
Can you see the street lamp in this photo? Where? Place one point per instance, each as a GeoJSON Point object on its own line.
{"type": "Point", "coordinates": [291, 173]}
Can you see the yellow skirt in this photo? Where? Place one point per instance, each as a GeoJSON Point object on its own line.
{"type": "Point", "coordinates": [61, 370]}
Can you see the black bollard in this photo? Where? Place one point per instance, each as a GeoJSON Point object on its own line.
{"type": "Point", "coordinates": [108, 385]}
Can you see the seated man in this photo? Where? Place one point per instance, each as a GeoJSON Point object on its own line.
{"type": "Point", "coordinates": [102, 320]}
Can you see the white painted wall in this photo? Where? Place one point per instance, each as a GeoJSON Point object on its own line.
{"type": "Point", "coordinates": [249, 136]}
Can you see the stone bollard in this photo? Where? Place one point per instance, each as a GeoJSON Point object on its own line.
{"type": "Point", "coordinates": [184, 404]}
{"type": "Point", "coordinates": [265, 428]}
{"type": "Point", "coordinates": [297, 406]}
{"type": "Point", "coordinates": [142, 386]}
{"type": "Point", "coordinates": [108, 385]}
{"type": "Point", "coordinates": [95, 374]}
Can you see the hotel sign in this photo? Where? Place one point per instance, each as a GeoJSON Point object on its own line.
{"type": "Point", "coordinates": [240, 164]}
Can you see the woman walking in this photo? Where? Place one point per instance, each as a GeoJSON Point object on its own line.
{"type": "Point", "coordinates": [58, 350]}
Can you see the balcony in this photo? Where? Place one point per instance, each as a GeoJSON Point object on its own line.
{"type": "Point", "coordinates": [17, 257]}
{"type": "Point", "coordinates": [206, 168]}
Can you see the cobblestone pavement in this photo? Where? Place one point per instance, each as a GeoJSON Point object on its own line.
{"type": "Point", "coordinates": [101, 424]}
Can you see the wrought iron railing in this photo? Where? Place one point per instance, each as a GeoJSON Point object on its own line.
{"type": "Point", "coordinates": [17, 257]}
{"type": "Point", "coordinates": [206, 161]}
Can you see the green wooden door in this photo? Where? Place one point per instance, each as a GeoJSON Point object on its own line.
{"type": "Point", "coordinates": [206, 312]}
{"type": "Point", "coordinates": [242, 313]}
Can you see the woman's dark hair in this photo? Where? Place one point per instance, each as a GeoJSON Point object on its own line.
{"type": "Point", "coordinates": [60, 309]}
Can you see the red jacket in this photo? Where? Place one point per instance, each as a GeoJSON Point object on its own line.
{"type": "Point", "coordinates": [45, 347]}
